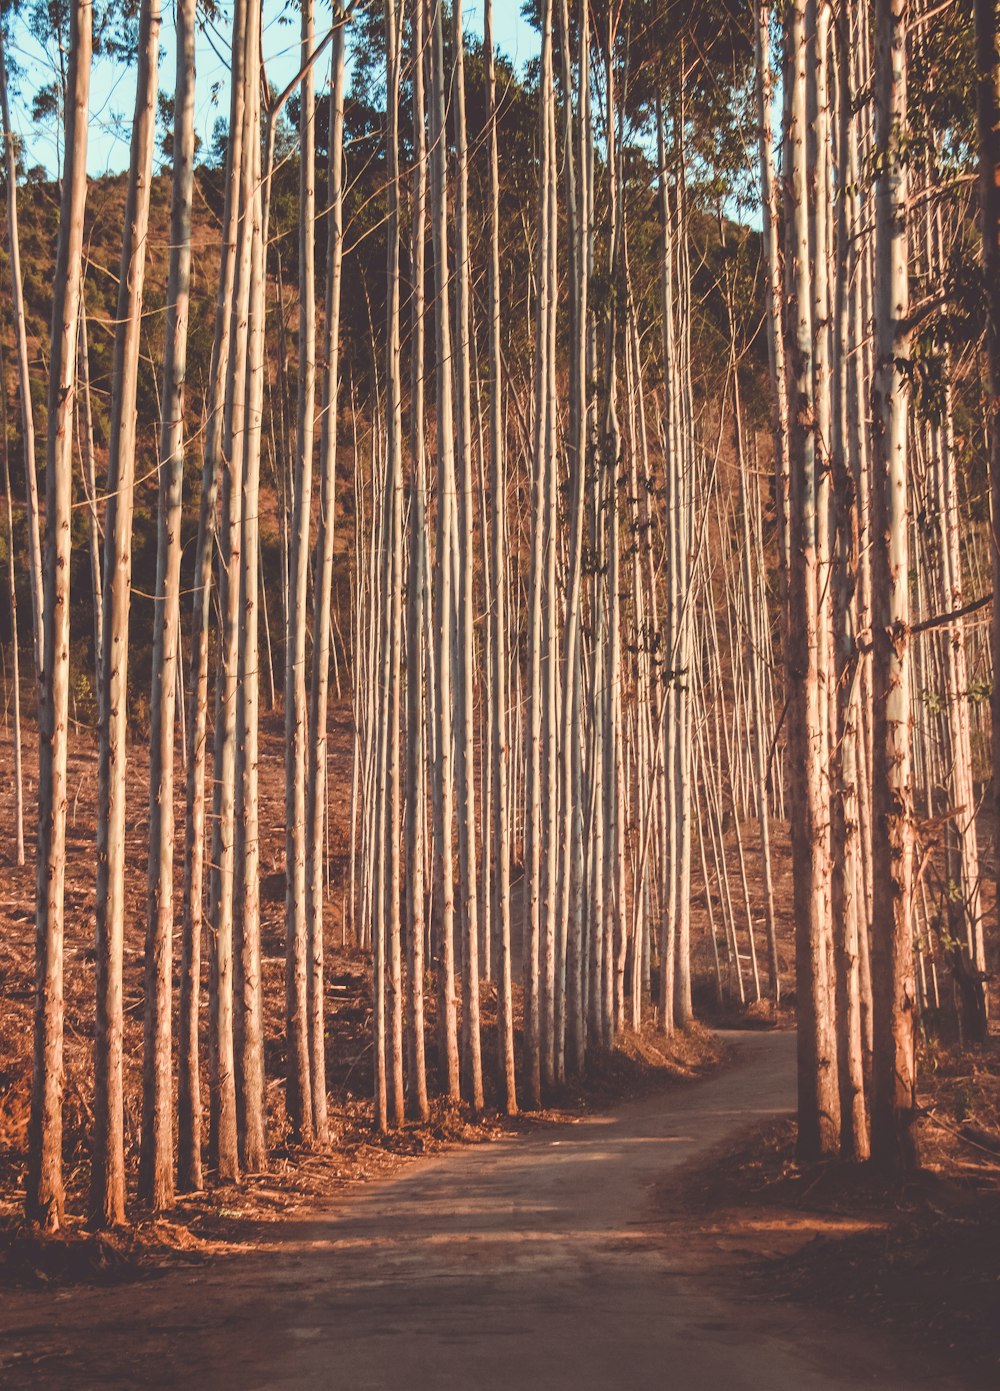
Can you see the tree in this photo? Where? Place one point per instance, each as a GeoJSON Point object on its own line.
{"type": "Point", "coordinates": [107, 1197]}
{"type": "Point", "coordinates": [893, 1110]}
{"type": "Point", "coordinates": [156, 1156]}
{"type": "Point", "coordinates": [298, 1099]}
{"type": "Point", "coordinates": [45, 1191]}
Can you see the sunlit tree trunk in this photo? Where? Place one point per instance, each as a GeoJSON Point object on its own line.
{"type": "Point", "coordinates": [251, 1100]}
{"type": "Point", "coordinates": [465, 682]}
{"type": "Point", "coordinates": [189, 1174]}
{"type": "Point", "coordinates": [317, 809]}
{"type": "Point", "coordinates": [156, 1158]}
{"type": "Point", "coordinates": [107, 1186]}
{"type": "Point", "coordinates": [536, 1038]}
{"type": "Point", "coordinates": [893, 988]}
{"type": "Point", "coordinates": [223, 1122]}
{"type": "Point", "coordinates": [443, 800]}
{"type": "Point", "coordinates": [500, 900]}
{"type": "Point", "coordinates": [416, 601]}
{"type": "Point", "coordinates": [45, 1191]}
{"type": "Point", "coordinates": [298, 1096]}
{"type": "Point", "coordinates": [392, 597]}
{"type": "Point", "coordinates": [818, 1096]}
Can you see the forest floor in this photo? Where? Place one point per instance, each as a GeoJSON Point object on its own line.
{"type": "Point", "coordinates": [743, 1259]}
{"type": "Point", "coordinates": [544, 1259]}
{"type": "Point", "coordinates": [211, 1224]}
{"type": "Point", "coordinates": [919, 1258]}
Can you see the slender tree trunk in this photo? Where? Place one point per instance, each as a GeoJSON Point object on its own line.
{"type": "Point", "coordinates": [156, 1158]}
{"type": "Point", "coordinates": [298, 1096]}
{"type": "Point", "coordinates": [316, 780]}
{"type": "Point", "coordinates": [818, 1096]}
{"type": "Point", "coordinates": [107, 1186]}
{"type": "Point", "coordinates": [443, 801]}
{"type": "Point", "coordinates": [500, 900]}
{"type": "Point", "coordinates": [189, 1084]}
{"type": "Point", "coordinates": [223, 1119]}
{"type": "Point", "coordinates": [45, 1192]}
{"type": "Point", "coordinates": [251, 1098]}
{"type": "Point", "coordinates": [893, 989]}
{"type": "Point", "coordinates": [416, 600]}
{"type": "Point", "coordinates": [535, 1034]}
{"type": "Point", "coordinates": [465, 685]}
{"type": "Point", "coordinates": [393, 598]}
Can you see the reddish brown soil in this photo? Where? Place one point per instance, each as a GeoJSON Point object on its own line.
{"type": "Point", "coordinates": [219, 1218]}
{"type": "Point", "coordinates": [919, 1257]}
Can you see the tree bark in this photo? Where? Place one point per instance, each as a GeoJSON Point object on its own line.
{"type": "Point", "coordinates": [45, 1190]}
{"type": "Point", "coordinates": [156, 1157]}
{"type": "Point", "coordinates": [893, 988]}
{"type": "Point", "coordinates": [107, 1187]}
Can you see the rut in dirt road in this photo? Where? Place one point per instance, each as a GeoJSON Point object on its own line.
{"type": "Point", "coordinates": [533, 1262]}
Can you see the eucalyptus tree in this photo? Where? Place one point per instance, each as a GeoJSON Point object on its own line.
{"type": "Point", "coordinates": [537, 1015]}
{"type": "Point", "coordinates": [248, 1024]}
{"type": "Point", "coordinates": [893, 1110]}
{"type": "Point", "coordinates": [107, 1197]}
{"type": "Point", "coordinates": [464, 628]}
{"type": "Point", "coordinates": [156, 1154]}
{"type": "Point", "coordinates": [45, 1186]}
{"type": "Point", "coordinates": [319, 704]}
{"type": "Point", "coordinates": [818, 1100]}
{"type": "Point", "coordinates": [443, 771]}
{"type": "Point", "coordinates": [417, 649]}
{"type": "Point", "coordinates": [500, 808]}
{"type": "Point", "coordinates": [298, 1097]}
{"type": "Point", "coordinates": [224, 1018]}
{"type": "Point", "coordinates": [189, 1086]}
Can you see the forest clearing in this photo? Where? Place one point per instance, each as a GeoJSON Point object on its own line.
{"type": "Point", "coordinates": [500, 818]}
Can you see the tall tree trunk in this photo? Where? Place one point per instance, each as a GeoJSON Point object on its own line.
{"type": "Point", "coordinates": [465, 685]}
{"type": "Point", "coordinates": [536, 1041]}
{"type": "Point", "coordinates": [223, 1120]}
{"type": "Point", "coordinates": [298, 1094]}
{"type": "Point", "coordinates": [443, 801]}
{"type": "Point", "coordinates": [107, 1187]}
{"type": "Point", "coordinates": [818, 1100]}
{"type": "Point", "coordinates": [323, 590]}
{"type": "Point", "coordinates": [848, 921]}
{"type": "Point", "coordinates": [251, 1098]}
{"type": "Point", "coordinates": [189, 1085]}
{"type": "Point", "coordinates": [156, 1157]}
{"type": "Point", "coordinates": [393, 597]}
{"type": "Point", "coordinates": [416, 600]}
{"type": "Point", "coordinates": [500, 900]}
{"type": "Point", "coordinates": [893, 988]}
{"type": "Point", "coordinates": [45, 1191]}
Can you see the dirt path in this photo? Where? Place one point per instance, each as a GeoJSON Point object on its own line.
{"type": "Point", "coordinates": [539, 1261]}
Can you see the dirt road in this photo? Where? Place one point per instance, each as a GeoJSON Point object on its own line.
{"type": "Point", "coordinates": [539, 1261]}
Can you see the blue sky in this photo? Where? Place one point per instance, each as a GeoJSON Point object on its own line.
{"type": "Point", "coordinates": [113, 86]}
